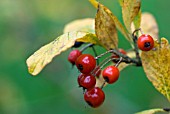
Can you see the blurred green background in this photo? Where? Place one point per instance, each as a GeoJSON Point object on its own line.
{"type": "Point", "coordinates": [26, 25]}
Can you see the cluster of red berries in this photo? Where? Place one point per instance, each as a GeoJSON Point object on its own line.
{"type": "Point", "coordinates": [86, 64]}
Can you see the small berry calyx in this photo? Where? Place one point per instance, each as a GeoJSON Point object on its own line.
{"type": "Point", "coordinates": [72, 57]}
{"type": "Point", "coordinates": [110, 74]}
{"type": "Point", "coordinates": [94, 97]}
{"type": "Point", "coordinates": [85, 63]}
{"type": "Point", "coordinates": [86, 81]}
{"type": "Point", "coordinates": [145, 42]}
{"type": "Point", "coordinates": [77, 44]}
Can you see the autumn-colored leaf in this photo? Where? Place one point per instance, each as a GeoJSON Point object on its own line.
{"type": "Point", "coordinates": [130, 9]}
{"type": "Point", "coordinates": [94, 3]}
{"type": "Point", "coordinates": [105, 29]}
{"type": "Point", "coordinates": [149, 25]}
{"type": "Point", "coordinates": [156, 64]}
{"type": "Point", "coordinates": [45, 54]}
{"type": "Point", "coordinates": [90, 38]}
{"type": "Point", "coordinates": [151, 111]}
{"type": "Point", "coordinates": [121, 2]}
{"type": "Point", "coordinates": [137, 20]}
{"type": "Point", "coordinates": [83, 25]}
{"type": "Point", "coordinates": [118, 24]}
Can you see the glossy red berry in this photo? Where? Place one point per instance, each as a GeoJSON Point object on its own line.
{"type": "Point", "coordinates": [85, 63]}
{"type": "Point", "coordinates": [110, 74]}
{"type": "Point", "coordinates": [145, 42]}
{"type": "Point", "coordinates": [121, 51]}
{"type": "Point", "coordinates": [86, 81]}
{"type": "Point", "coordinates": [72, 57]}
{"type": "Point", "coordinates": [79, 78]}
{"type": "Point", "coordinates": [94, 97]}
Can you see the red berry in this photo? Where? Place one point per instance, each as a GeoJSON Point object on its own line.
{"type": "Point", "coordinates": [72, 57]}
{"type": "Point", "coordinates": [86, 81]}
{"type": "Point", "coordinates": [145, 42]}
{"type": "Point", "coordinates": [121, 51]}
{"type": "Point", "coordinates": [110, 74]}
{"type": "Point", "coordinates": [85, 63]}
{"type": "Point", "coordinates": [94, 97]}
{"type": "Point", "coordinates": [79, 78]}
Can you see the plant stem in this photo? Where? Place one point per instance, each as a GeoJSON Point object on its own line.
{"type": "Point", "coordinates": [95, 53]}
{"type": "Point", "coordinates": [126, 58]}
{"type": "Point", "coordinates": [85, 47]}
{"type": "Point", "coordinates": [134, 37]}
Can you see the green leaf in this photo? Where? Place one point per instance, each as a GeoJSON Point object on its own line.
{"type": "Point", "coordinates": [118, 24]}
{"type": "Point", "coordinates": [105, 28]}
{"type": "Point", "coordinates": [151, 111]}
{"type": "Point", "coordinates": [83, 25]}
{"type": "Point", "coordinates": [45, 54]}
{"type": "Point", "coordinates": [130, 9]}
{"type": "Point", "coordinates": [156, 64]}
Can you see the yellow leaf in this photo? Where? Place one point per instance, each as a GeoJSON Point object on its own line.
{"type": "Point", "coordinates": [90, 38]}
{"type": "Point", "coordinates": [45, 54]}
{"type": "Point", "coordinates": [121, 2]}
{"type": "Point", "coordinates": [149, 25]}
{"type": "Point", "coordinates": [151, 111]}
{"type": "Point", "coordinates": [137, 20]}
{"type": "Point", "coordinates": [105, 28]}
{"type": "Point", "coordinates": [83, 25]}
{"type": "Point", "coordinates": [156, 64]}
{"type": "Point", "coordinates": [119, 26]}
{"type": "Point", "coordinates": [130, 9]}
{"type": "Point", "coordinates": [94, 3]}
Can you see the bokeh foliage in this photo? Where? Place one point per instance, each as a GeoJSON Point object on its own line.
{"type": "Point", "coordinates": [27, 24]}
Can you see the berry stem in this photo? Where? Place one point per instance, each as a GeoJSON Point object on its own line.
{"type": "Point", "coordinates": [85, 47]}
{"type": "Point", "coordinates": [106, 61]}
{"type": "Point", "coordinates": [99, 56]}
{"type": "Point", "coordinates": [126, 58]}
{"type": "Point", "coordinates": [139, 29]}
{"type": "Point", "coordinates": [120, 60]}
{"type": "Point", "coordinates": [95, 53]}
{"type": "Point", "coordinates": [100, 66]}
{"type": "Point", "coordinates": [134, 37]}
{"type": "Point", "coordinates": [103, 84]}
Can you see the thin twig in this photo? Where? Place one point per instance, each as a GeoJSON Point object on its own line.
{"type": "Point", "coordinates": [126, 58]}
{"type": "Point", "coordinates": [85, 47]}
{"type": "Point", "coordinates": [103, 84]}
{"type": "Point", "coordinates": [134, 37]}
{"type": "Point", "coordinates": [95, 53]}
